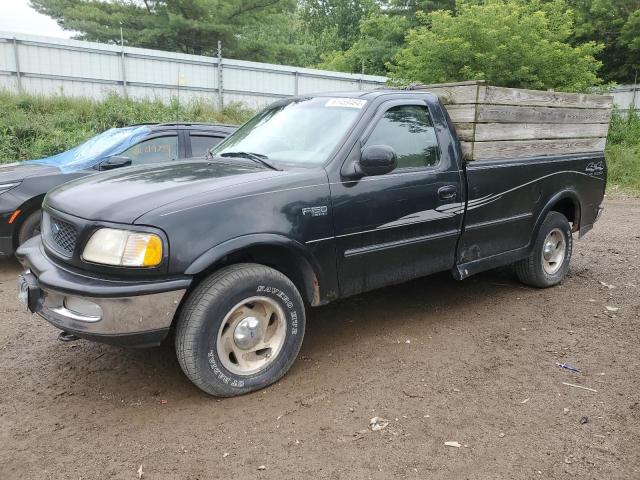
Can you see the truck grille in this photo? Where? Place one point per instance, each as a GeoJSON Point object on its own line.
{"type": "Point", "coordinates": [61, 235]}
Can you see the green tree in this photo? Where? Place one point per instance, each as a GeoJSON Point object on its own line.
{"type": "Point", "coordinates": [381, 36]}
{"type": "Point", "coordinates": [188, 26]}
{"type": "Point", "coordinates": [334, 24]}
{"type": "Point", "coordinates": [513, 43]}
{"type": "Point", "coordinates": [615, 24]}
{"type": "Point", "coordinates": [409, 8]}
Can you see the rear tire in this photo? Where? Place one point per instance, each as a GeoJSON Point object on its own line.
{"type": "Point", "coordinates": [240, 330]}
{"type": "Point", "coordinates": [549, 262]}
{"type": "Point", "coordinates": [30, 227]}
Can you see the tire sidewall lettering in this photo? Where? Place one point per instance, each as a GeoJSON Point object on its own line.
{"type": "Point", "coordinates": [292, 313]}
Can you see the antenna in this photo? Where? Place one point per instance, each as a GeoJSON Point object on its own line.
{"type": "Point", "coordinates": [178, 99]}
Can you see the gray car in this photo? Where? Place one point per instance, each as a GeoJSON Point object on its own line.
{"type": "Point", "coordinates": [23, 185]}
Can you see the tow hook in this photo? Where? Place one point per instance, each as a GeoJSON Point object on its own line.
{"type": "Point", "coordinates": [67, 337]}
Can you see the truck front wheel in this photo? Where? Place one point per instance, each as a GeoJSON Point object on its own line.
{"type": "Point", "coordinates": [549, 262]}
{"type": "Point", "coordinates": [240, 330]}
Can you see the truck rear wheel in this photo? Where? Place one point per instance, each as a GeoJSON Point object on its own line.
{"type": "Point", "coordinates": [549, 262]}
{"type": "Point", "coordinates": [240, 330]}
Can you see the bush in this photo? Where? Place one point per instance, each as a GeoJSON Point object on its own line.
{"type": "Point", "coordinates": [35, 126]}
{"type": "Point", "coordinates": [510, 43]}
{"type": "Point", "coordinates": [623, 152]}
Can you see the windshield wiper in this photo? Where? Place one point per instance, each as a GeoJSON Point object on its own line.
{"type": "Point", "coordinates": [256, 157]}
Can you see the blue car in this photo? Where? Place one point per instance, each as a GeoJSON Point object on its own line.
{"type": "Point", "coordinates": [23, 185]}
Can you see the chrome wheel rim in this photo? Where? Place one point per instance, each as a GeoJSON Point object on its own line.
{"type": "Point", "coordinates": [553, 251]}
{"type": "Point", "coordinates": [251, 335]}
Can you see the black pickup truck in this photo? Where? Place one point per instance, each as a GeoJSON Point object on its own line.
{"type": "Point", "coordinates": [314, 199]}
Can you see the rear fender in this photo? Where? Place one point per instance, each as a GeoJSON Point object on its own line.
{"type": "Point", "coordinates": [557, 198]}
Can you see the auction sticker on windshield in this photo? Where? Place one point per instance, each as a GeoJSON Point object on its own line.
{"type": "Point", "coordinates": [345, 102]}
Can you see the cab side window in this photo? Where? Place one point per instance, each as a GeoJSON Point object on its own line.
{"type": "Point", "coordinates": [153, 150]}
{"type": "Point", "coordinates": [201, 144]}
{"type": "Point", "coordinates": [408, 129]}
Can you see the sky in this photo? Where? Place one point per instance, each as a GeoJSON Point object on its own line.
{"type": "Point", "coordinates": [18, 16]}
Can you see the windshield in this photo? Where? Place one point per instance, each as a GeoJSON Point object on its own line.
{"type": "Point", "coordinates": [96, 149]}
{"type": "Point", "coordinates": [303, 131]}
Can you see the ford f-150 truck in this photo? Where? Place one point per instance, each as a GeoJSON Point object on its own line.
{"type": "Point", "coordinates": [314, 199]}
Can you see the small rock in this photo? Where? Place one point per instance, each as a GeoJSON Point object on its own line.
{"type": "Point", "coordinates": [565, 410]}
{"type": "Point", "coordinates": [609, 286]}
{"type": "Point", "coordinates": [378, 423]}
{"type": "Point", "coordinates": [407, 341]}
{"type": "Point", "coordinates": [612, 309]}
{"type": "Point", "coordinates": [140, 472]}
{"type": "Point", "coordinates": [525, 400]}
{"type": "Point", "coordinates": [225, 454]}
{"type": "Point", "coordinates": [501, 435]}
{"type": "Point", "coordinates": [584, 420]}
{"type": "Point", "coordinates": [262, 467]}
{"type": "Point", "coordinates": [452, 444]}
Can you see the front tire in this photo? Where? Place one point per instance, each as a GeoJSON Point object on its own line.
{"type": "Point", "coordinates": [549, 262]}
{"type": "Point", "coordinates": [30, 227]}
{"type": "Point", "coordinates": [240, 330]}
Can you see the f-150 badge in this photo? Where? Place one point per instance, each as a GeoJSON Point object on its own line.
{"type": "Point", "coordinates": [315, 211]}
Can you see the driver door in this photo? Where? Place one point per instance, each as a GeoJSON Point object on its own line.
{"type": "Point", "coordinates": [403, 224]}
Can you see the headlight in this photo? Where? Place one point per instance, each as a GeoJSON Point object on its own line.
{"type": "Point", "coordinates": [123, 248]}
{"type": "Point", "coordinates": [8, 186]}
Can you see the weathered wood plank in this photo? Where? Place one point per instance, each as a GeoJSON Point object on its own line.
{"type": "Point", "coordinates": [480, 92]}
{"type": "Point", "coordinates": [518, 96]}
{"type": "Point", "coordinates": [528, 148]}
{"type": "Point", "coordinates": [455, 94]}
{"type": "Point", "coordinates": [464, 131]}
{"type": "Point", "coordinates": [530, 131]}
{"type": "Point", "coordinates": [521, 114]}
{"type": "Point", "coordinates": [525, 114]}
{"type": "Point", "coordinates": [467, 148]}
{"type": "Point", "coordinates": [462, 113]}
{"type": "Point", "coordinates": [422, 86]}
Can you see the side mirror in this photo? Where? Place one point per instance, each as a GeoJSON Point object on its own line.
{"type": "Point", "coordinates": [115, 162]}
{"type": "Point", "coordinates": [377, 160]}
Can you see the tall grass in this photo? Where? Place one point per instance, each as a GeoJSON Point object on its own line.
{"type": "Point", "coordinates": [623, 153]}
{"type": "Point", "coordinates": [35, 127]}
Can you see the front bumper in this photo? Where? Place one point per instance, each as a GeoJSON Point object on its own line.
{"type": "Point", "coordinates": [127, 313]}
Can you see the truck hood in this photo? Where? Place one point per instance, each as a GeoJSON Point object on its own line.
{"type": "Point", "coordinates": [123, 196]}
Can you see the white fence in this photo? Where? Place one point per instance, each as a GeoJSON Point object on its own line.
{"type": "Point", "coordinates": [48, 66]}
{"type": "Point", "coordinates": [626, 97]}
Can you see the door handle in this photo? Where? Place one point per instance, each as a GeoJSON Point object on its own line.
{"type": "Point", "coordinates": [447, 192]}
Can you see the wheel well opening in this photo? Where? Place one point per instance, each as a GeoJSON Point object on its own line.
{"type": "Point", "coordinates": [288, 262]}
{"type": "Point", "coordinates": [26, 209]}
{"type": "Point", "coordinates": [570, 209]}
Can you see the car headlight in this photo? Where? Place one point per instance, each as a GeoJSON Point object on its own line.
{"type": "Point", "coordinates": [4, 187]}
{"type": "Point", "coordinates": [123, 248]}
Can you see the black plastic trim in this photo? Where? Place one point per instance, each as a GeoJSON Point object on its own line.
{"type": "Point", "coordinates": [399, 243]}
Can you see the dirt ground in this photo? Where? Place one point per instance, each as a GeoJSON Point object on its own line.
{"type": "Point", "coordinates": [472, 362]}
